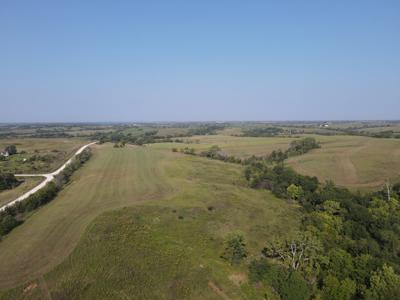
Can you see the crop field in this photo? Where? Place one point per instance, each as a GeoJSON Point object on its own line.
{"type": "Point", "coordinates": [10, 195]}
{"type": "Point", "coordinates": [37, 156]}
{"type": "Point", "coordinates": [138, 221]}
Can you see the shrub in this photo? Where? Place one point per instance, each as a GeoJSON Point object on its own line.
{"type": "Point", "coordinates": [289, 285]}
{"type": "Point", "coordinates": [7, 181]}
{"type": "Point", "coordinates": [8, 223]}
{"type": "Point", "coordinates": [235, 249]}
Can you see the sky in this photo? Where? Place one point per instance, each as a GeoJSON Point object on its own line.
{"type": "Point", "coordinates": [127, 61]}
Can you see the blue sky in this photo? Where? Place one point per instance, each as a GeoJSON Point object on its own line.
{"type": "Point", "coordinates": [199, 60]}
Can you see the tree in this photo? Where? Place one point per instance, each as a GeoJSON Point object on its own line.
{"type": "Point", "coordinates": [294, 288]}
{"type": "Point", "coordinates": [294, 192]}
{"type": "Point", "coordinates": [385, 284]}
{"type": "Point", "coordinates": [340, 263]}
{"type": "Point", "coordinates": [7, 181]}
{"type": "Point", "coordinates": [235, 249]}
{"type": "Point", "coordinates": [288, 284]}
{"type": "Point", "coordinates": [331, 207]}
{"type": "Point", "coordinates": [11, 149]}
{"type": "Point", "coordinates": [333, 289]}
{"type": "Point", "coordinates": [299, 252]}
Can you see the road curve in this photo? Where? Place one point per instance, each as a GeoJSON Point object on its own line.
{"type": "Point", "coordinates": [48, 177]}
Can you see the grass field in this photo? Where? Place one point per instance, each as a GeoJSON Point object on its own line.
{"type": "Point", "coordinates": [27, 184]}
{"type": "Point", "coordinates": [42, 155]}
{"type": "Point", "coordinates": [240, 146]}
{"type": "Point", "coordinates": [352, 161]}
{"type": "Point", "coordinates": [163, 241]}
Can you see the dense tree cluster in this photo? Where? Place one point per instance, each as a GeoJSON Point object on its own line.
{"type": "Point", "coordinates": [148, 137]}
{"type": "Point", "coordinates": [288, 284]}
{"type": "Point", "coordinates": [359, 235]}
{"type": "Point", "coordinates": [264, 132]}
{"type": "Point", "coordinates": [302, 146]}
{"type": "Point", "coordinates": [205, 129]}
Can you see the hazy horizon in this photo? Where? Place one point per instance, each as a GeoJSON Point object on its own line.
{"type": "Point", "coordinates": [179, 61]}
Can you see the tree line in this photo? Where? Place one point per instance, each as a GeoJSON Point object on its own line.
{"type": "Point", "coordinates": [297, 147]}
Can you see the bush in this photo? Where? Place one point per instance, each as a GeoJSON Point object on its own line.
{"type": "Point", "coordinates": [41, 197]}
{"type": "Point", "coordinates": [8, 223]}
{"type": "Point", "coordinates": [289, 285]}
{"type": "Point", "coordinates": [235, 250]}
{"type": "Point", "coordinates": [7, 181]}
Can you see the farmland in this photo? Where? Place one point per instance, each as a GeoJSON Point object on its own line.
{"type": "Point", "coordinates": [354, 162]}
{"type": "Point", "coordinates": [148, 221]}
{"type": "Point", "coordinates": [351, 161]}
{"type": "Point", "coordinates": [179, 206]}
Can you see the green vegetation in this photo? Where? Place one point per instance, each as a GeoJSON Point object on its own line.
{"type": "Point", "coordinates": [25, 184]}
{"type": "Point", "coordinates": [7, 181]}
{"type": "Point", "coordinates": [302, 146]}
{"type": "Point", "coordinates": [288, 285]}
{"type": "Point", "coordinates": [359, 234]}
{"type": "Point", "coordinates": [173, 239]}
{"type": "Point", "coordinates": [14, 215]}
{"type": "Point", "coordinates": [238, 217]}
{"type": "Point", "coordinates": [358, 163]}
{"type": "Point", "coordinates": [235, 249]}
{"type": "Point", "coordinates": [38, 156]}
{"type": "Point", "coordinates": [263, 132]}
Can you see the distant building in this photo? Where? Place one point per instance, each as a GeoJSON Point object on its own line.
{"type": "Point", "coordinates": [5, 154]}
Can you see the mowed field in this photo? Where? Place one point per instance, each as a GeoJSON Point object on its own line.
{"type": "Point", "coordinates": [359, 163]}
{"type": "Point", "coordinates": [351, 161]}
{"type": "Point", "coordinates": [143, 223]}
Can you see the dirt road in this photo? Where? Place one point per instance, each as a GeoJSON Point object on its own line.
{"type": "Point", "coordinates": [48, 177]}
